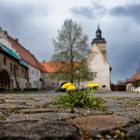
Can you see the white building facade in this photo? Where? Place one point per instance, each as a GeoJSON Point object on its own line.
{"type": "Point", "coordinates": [34, 77]}
{"type": "Point", "coordinates": [98, 63]}
{"type": "Point", "coordinates": [11, 64]}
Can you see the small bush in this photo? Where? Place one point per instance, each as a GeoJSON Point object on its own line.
{"type": "Point", "coordinates": [30, 89]}
{"type": "Point", "coordinates": [80, 99]}
{"type": "Point", "coordinates": [59, 89]}
{"type": "Point", "coordinates": [17, 89]}
{"type": "Point", "coordinates": [2, 89]}
{"type": "Point", "coordinates": [136, 84]}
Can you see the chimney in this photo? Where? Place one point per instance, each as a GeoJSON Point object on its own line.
{"type": "Point", "coordinates": [16, 39]}
{"type": "Point", "coordinates": [5, 33]}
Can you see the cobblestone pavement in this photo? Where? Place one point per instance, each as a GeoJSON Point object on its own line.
{"type": "Point", "coordinates": [31, 116]}
{"type": "Point", "coordinates": [118, 94]}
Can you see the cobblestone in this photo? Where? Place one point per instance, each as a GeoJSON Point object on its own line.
{"type": "Point", "coordinates": [32, 116]}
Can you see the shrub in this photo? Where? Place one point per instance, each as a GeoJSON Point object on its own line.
{"type": "Point", "coordinates": [59, 89]}
{"type": "Point", "coordinates": [136, 84]}
{"type": "Point", "coordinates": [17, 89]}
{"type": "Point", "coordinates": [30, 89]}
{"type": "Point", "coordinates": [80, 99]}
{"type": "Point", "coordinates": [77, 98]}
{"type": "Point", "coordinates": [2, 89]}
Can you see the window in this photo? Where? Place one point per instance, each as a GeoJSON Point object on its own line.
{"type": "Point", "coordinates": [4, 61]}
{"type": "Point", "coordinates": [11, 67]}
{"type": "Point", "coordinates": [30, 71]}
{"type": "Point", "coordinates": [22, 70]}
{"type": "Point", "coordinates": [15, 67]}
{"type": "Point", "coordinates": [103, 86]}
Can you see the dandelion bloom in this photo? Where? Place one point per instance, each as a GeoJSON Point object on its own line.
{"type": "Point", "coordinates": [64, 86]}
{"type": "Point", "coordinates": [71, 88]}
{"type": "Point", "coordinates": [92, 85]}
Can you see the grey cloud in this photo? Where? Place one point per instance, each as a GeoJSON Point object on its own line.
{"type": "Point", "coordinates": [17, 19]}
{"type": "Point", "coordinates": [124, 60]}
{"type": "Point", "coordinates": [89, 12]}
{"type": "Point", "coordinates": [84, 11]}
{"type": "Point", "coordinates": [15, 15]}
{"type": "Point", "coordinates": [101, 10]}
{"type": "Point", "coordinates": [127, 11]}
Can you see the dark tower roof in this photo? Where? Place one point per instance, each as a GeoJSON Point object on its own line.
{"type": "Point", "coordinates": [98, 38]}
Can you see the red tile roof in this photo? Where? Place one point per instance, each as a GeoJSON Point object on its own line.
{"type": "Point", "coordinates": [135, 77]}
{"type": "Point", "coordinates": [25, 55]}
{"type": "Point", "coordinates": [53, 67]}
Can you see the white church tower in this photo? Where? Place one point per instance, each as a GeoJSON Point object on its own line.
{"type": "Point", "coordinates": [97, 60]}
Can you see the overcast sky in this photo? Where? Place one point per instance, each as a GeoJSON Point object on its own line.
{"type": "Point", "coordinates": [35, 24]}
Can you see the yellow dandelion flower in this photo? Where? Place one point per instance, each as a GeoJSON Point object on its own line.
{"type": "Point", "coordinates": [71, 88]}
{"type": "Point", "coordinates": [92, 85]}
{"type": "Point", "coordinates": [64, 86]}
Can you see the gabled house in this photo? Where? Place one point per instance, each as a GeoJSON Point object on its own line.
{"type": "Point", "coordinates": [133, 84]}
{"type": "Point", "coordinates": [34, 67]}
{"type": "Point", "coordinates": [13, 70]}
{"type": "Point", "coordinates": [50, 68]}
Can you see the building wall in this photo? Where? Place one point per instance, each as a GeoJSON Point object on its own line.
{"type": "Point", "coordinates": [137, 89]}
{"type": "Point", "coordinates": [22, 82]}
{"type": "Point", "coordinates": [50, 83]}
{"type": "Point", "coordinates": [11, 66]}
{"type": "Point", "coordinates": [34, 77]}
{"type": "Point", "coordinates": [34, 74]}
{"type": "Point", "coordinates": [130, 88]}
{"type": "Point", "coordinates": [97, 60]}
{"type": "Point", "coordinates": [8, 64]}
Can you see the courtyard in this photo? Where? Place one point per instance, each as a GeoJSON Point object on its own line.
{"type": "Point", "coordinates": [32, 116]}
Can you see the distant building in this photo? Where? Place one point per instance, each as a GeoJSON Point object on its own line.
{"type": "Point", "coordinates": [13, 70]}
{"type": "Point", "coordinates": [133, 84]}
{"type": "Point", "coordinates": [98, 63]}
{"type": "Point", "coordinates": [50, 68]}
{"type": "Point", "coordinates": [34, 67]}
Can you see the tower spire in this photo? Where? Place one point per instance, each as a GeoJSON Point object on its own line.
{"type": "Point", "coordinates": [98, 32]}
{"type": "Point", "coordinates": [98, 38]}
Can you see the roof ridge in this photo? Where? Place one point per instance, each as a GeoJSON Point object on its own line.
{"type": "Point", "coordinates": [36, 61]}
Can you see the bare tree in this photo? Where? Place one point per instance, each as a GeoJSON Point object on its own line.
{"type": "Point", "coordinates": [70, 48]}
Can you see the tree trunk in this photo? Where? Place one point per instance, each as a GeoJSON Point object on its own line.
{"type": "Point", "coordinates": [72, 73]}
